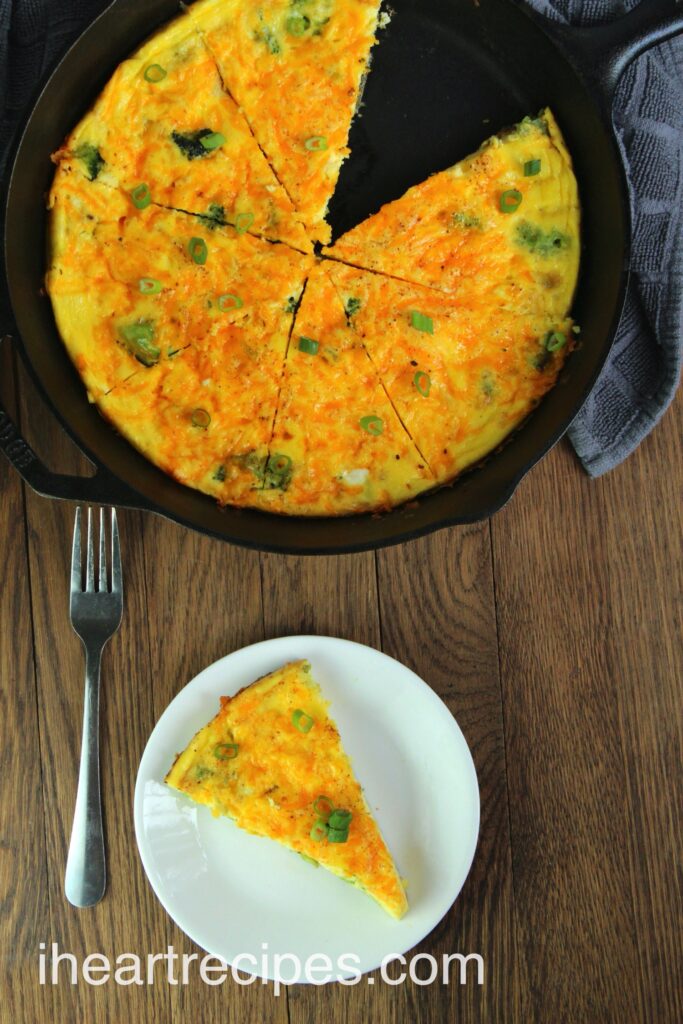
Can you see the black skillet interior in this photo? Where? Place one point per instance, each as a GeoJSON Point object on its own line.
{"type": "Point", "coordinates": [445, 75]}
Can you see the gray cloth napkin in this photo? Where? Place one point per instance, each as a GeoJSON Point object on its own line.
{"type": "Point", "coordinates": [643, 371]}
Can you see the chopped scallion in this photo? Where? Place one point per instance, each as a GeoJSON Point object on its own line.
{"type": "Point", "coordinates": [308, 345]}
{"type": "Point", "coordinates": [225, 751]}
{"type": "Point", "coordinates": [510, 200]}
{"type": "Point", "coordinates": [340, 819]}
{"type": "Point", "coordinates": [316, 144]}
{"type": "Point", "coordinates": [201, 418]}
{"type": "Point", "coordinates": [138, 339]}
{"type": "Point", "coordinates": [422, 382]}
{"type": "Point", "coordinates": [421, 322]}
{"type": "Point", "coordinates": [149, 286]}
{"type": "Point", "coordinates": [302, 721]}
{"type": "Point", "coordinates": [141, 196]}
{"type": "Point", "coordinates": [337, 835]}
{"type": "Point", "coordinates": [198, 250]}
{"type": "Point", "coordinates": [213, 141]}
{"type": "Point", "coordinates": [323, 807]}
{"type": "Point", "coordinates": [531, 168]}
{"type": "Point", "coordinates": [154, 73]}
{"type": "Point", "coordinates": [319, 831]}
{"type": "Point", "coordinates": [229, 301]}
{"type": "Point", "coordinates": [555, 340]}
{"type": "Point", "coordinates": [372, 425]}
{"type": "Point", "coordinates": [243, 222]}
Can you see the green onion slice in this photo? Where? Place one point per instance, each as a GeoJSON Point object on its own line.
{"type": "Point", "coordinates": [198, 250]}
{"type": "Point", "coordinates": [302, 721]}
{"type": "Point", "coordinates": [422, 382]}
{"type": "Point", "coordinates": [337, 835]}
{"type": "Point", "coordinates": [421, 322]}
{"type": "Point", "coordinates": [229, 301]}
{"type": "Point", "coordinates": [554, 341]}
{"type": "Point", "coordinates": [372, 425]}
{"type": "Point", "coordinates": [510, 200]}
{"type": "Point", "coordinates": [243, 222]}
{"type": "Point", "coordinates": [297, 24]}
{"type": "Point", "coordinates": [308, 345]}
{"type": "Point", "coordinates": [225, 751]}
{"type": "Point", "coordinates": [138, 339]}
{"type": "Point", "coordinates": [323, 807]}
{"type": "Point", "coordinates": [149, 286]}
{"type": "Point", "coordinates": [154, 73]}
{"type": "Point", "coordinates": [141, 196]}
{"type": "Point", "coordinates": [340, 819]}
{"type": "Point", "coordinates": [531, 168]}
{"type": "Point", "coordinates": [316, 143]}
{"type": "Point", "coordinates": [201, 418]}
{"type": "Point", "coordinates": [319, 831]}
{"type": "Point", "coordinates": [213, 141]}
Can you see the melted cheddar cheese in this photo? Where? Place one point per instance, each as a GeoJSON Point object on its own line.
{"type": "Point", "coordinates": [295, 67]}
{"type": "Point", "coordinates": [182, 136]}
{"type": "Point", "coordinates": [363, 458]}
{"type": "Point", "coordinates": [501, 227]}
{"type": "Point", "coordinates": [265, 760]}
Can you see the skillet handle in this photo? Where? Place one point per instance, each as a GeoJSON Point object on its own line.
{"type": "Point", "coordinates": [100, 489]}
{"type": "Point", "coordinates": [603, 52]}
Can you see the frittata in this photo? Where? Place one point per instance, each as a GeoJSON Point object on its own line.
{"type": "Point", "coordinates": [272, 760]}
{"type": "Point", "coordinates": [186, 289]}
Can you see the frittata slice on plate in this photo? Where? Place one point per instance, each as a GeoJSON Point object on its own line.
{"type": "Point", "coordinates": [272, 760]}
{"type": "Point", "coordinates": [338, 446]}
{"type": "Point", "coordinates": [165, 129]}
{"type": "Point", "coordinates": [131, 287]}
{"type": "Point", "coordinates": [460, 376]}
{"type": "Point", "coordinates": [501, 225]}
{"type": "Point", "coordinates": [296, 69]}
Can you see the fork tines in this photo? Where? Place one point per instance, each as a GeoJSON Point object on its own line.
{"type": "Point", "coordinates": [103, 585]}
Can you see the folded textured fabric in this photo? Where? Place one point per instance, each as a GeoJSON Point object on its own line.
{"type": "Point", "coordinates": [643, 370]}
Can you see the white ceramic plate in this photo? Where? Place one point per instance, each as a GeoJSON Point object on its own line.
{"type": "Point", "coordinates": [234, 893]}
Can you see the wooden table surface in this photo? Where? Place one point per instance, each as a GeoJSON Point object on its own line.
{"type": "Point", "coordinates": [553, 633]}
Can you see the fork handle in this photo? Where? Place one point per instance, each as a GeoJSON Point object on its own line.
{"type": "Point", "coordinates": [86, 873]}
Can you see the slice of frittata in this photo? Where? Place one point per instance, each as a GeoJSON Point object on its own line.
{"type": "Point", "coordinates": [272, 760]}
{"type": "Point", "coordinates": [296, 68]}
{"type": "Point", "coordinates": [501, 226]}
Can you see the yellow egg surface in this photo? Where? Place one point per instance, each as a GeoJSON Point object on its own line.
{"type": "Point", "coordinates": [272, 760]}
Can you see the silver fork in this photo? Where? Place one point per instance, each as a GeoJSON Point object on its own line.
{"type": "Point", "coordinates": [95, 617]}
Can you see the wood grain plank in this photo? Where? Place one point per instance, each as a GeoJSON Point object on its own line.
{"type": "Point", "coordinates": [438, 617]}
{"type": "Point", "coordinates": [127, 920]}
{"type": "Point", "coordinates": [588, 588]}
{"type": "Point", "coordinates": [23, 865]}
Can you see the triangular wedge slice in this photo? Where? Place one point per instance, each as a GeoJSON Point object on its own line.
{"type": "Point", "coordinates": [501, 225]}
{"type": "Point", "coordinates": [461, 377]}
{"type": "Point", "coordinates": [296, 68]}
{"type": "Point", "coordinates": [130, 287]}
{"type": "Point", "coordinates": [165, 124]}
{"type": "Point", "coordinates": [273, 761]}
{"type": "Point", "coordinates": [338, 446]}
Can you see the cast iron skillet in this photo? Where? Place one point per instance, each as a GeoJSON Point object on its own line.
{"type": "Point", "coordinates": [445, 75]}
